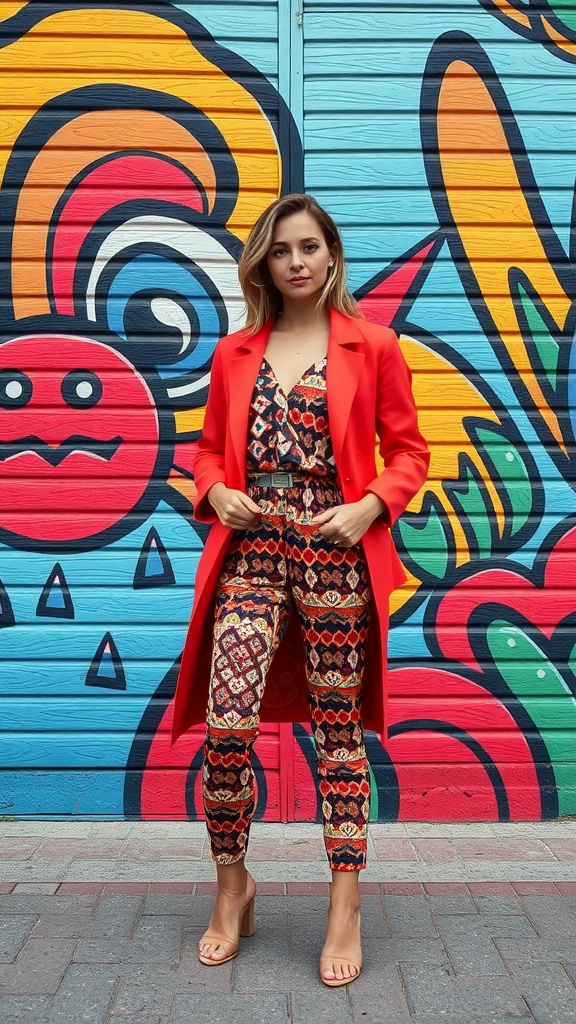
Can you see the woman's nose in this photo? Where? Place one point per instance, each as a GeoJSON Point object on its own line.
{"type": "Point", "coordinates": [296, 260]}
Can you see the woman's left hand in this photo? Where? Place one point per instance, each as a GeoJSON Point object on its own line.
{"type": "Point", "coordinates": [346, 524]}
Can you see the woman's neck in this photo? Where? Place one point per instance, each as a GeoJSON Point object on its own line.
{"type": "Point", "coordinates": [302, 318]}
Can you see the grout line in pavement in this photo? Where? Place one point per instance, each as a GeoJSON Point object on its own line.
{"type": "Point", "coordinates": [280, 871]}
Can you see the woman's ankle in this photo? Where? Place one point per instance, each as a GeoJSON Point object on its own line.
{"type": "Point", "coordinates": [345, 891]}
{"type": "Point", "coordinates": [233, 879]}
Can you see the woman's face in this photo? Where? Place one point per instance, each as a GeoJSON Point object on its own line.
{"type": "Point", "coordinates": [299, 257]}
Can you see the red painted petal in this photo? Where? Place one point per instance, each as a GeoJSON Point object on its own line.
{"type": "Point", "coordinates": [443, 775]}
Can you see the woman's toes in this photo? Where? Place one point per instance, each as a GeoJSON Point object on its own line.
{"type": "Point", "coordinates": [209, 951]}
{"type": "Point", "coordinates": [337, 972]}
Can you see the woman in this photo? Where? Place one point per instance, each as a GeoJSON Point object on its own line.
{"type": "Point", "coordinates": [299, 564]}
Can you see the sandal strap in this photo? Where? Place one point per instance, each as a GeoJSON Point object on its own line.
{"type": "Point", "coordinates": [220, 940]}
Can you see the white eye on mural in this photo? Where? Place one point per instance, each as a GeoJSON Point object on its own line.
{"type": "Point", "coordinates": [81, 389]}
{"type": "Point", "coordinates": [15, 389]}
{"type": "Point", "coordinates": [170, 289]}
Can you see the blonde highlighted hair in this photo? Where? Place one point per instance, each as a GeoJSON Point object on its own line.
{"type": "Point", "coordinates": [263, 299]}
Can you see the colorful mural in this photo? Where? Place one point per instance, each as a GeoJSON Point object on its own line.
{"type": "Point", "coordinates": [125, 198]}
{"type": "Point", "coordinates": [132, 168]}
{"type": "Point", "coordinates": [550, 22]}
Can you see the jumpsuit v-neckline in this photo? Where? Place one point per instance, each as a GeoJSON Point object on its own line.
{"type": "Point", "coordinates": [290, 432]}
{"type": "Point", "coordinates": [301, 378]}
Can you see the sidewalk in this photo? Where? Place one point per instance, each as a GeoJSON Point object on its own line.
{"type": "Point", "coordinates": [461, 923]}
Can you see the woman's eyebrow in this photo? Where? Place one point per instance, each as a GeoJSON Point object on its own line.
{"type": "Point", "coordinates": [312, 238]}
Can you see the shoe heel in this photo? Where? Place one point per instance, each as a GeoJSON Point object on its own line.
{"type": "Point", "coordinates": [247, 920]}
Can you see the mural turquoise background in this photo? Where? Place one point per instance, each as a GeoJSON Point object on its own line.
{"type": "Point", "coordinates": [138, 148]}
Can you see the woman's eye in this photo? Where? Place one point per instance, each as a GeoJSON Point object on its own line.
{"type": "Point", "coordinates": [311, 247]}
{"type": "Point", "coordinates": [279, 252]}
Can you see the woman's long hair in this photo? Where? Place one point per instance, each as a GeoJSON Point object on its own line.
{"type": "Point", "coordinates": [263, 299]}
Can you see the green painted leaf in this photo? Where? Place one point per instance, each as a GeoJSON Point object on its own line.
{"type": "Point", "coordinates": [564, 11]}
{"type": "Point", "coordinates": [429, 545]}
{"type": "Point", "coordinates": [469, 501]}
{"type": "Point", "coordinates": [546, 346]}
{"type": "Point", "coordinates": [514, 477]}
{"type": "Point", "coordinates": [529, 673]}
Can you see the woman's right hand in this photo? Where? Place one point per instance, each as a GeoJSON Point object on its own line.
{"type": "Point", "coordinates": [233, 508]}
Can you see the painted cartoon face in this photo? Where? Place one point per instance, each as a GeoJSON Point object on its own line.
{"type": "Point", "coordinates": [79, 438]}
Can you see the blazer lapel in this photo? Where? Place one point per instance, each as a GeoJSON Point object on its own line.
{"type": "Point", "coordinates": [242, 373]}
{"type": "Point", "coordinates": [345, 362]}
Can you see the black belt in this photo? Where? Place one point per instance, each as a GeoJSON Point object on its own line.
{"type": "Point", "coordinates": [277, 479]}
{"type": "Point", "coordinates": [281, 478]}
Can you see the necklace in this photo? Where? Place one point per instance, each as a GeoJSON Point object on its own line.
{"type": "Point", "coordinates": [311, 338]}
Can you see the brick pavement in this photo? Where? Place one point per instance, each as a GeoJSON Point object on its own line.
{"type": "Point", "coordinates": [112, 950]}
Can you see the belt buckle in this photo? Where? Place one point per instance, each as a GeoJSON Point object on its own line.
{"type": "Point", "coordinates": [281, 479]}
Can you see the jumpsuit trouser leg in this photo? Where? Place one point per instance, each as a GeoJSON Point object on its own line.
{"type": "Point", "coordinates": [277, 566]}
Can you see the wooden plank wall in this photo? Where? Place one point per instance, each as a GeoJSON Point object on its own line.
{"type": "Point", "coordinates": [450, 126]}
{"type": "Point", "coordinates": [137, 148]}
{"type": "Point", "coordinates": [136, 153]}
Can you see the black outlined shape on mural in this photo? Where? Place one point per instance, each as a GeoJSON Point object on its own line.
{"type": "Point", "coordinates": [549, 353]}
{"type": "Point", "coordinates": [442, 727]}
{"type": "Point", "coordinates": [467, 494]}
{"type": "Point", "coordinates": [55, 601]}
{"type": "Point", "coordinates": [432, 528]}
{"type": "Point", "coordinates": [433, 243]}
{"type": "Point", "coordinates": [458, 47]}
{"type": "Point", "coordinates": [95, 97]}
{"type": "Point", "coordinates": [55, 455]}
{"type": "Point", "coordinates": [106, 669]}
{"type": "Point", "coordinates": [540, 21]}
{"type": "Point", "coordinates": [231, 63]}
{"type": "Point", "coordinates": [109, 425]}
{"type": "Point", "coordinates": [6, 610]}
{"type": "Point", "coordinates": [154, 568]}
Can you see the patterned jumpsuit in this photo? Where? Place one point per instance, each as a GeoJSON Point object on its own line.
{"type": "Point", "coordinates": [283, 563]}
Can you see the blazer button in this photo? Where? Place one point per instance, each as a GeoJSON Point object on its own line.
{"type": "Point", "coordinates": [347, 480]}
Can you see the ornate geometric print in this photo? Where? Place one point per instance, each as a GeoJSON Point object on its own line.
{"type": "Point", "coordinates": [282, 564]}
{"type": "Point", "coordinates": [290, 432]}
{"type": "Point", "coordinates": [248, 627]}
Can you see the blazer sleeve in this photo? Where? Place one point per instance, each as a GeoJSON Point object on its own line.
{"type": "Point", "coordinates": [402, 446]}
{"type": "Point", "coordinates": [209, 461]}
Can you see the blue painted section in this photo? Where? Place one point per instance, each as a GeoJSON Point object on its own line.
{"type": "Point", "coordinates": [55, 793]}
{"type": "Point", "coordinates": [55, 598]}
{"type": "Point", "coordinates": [35, 655]}
{"type": "Point", "coordinates": [152, 272]}
{"type": "Point", "coordinates": [248, 29]}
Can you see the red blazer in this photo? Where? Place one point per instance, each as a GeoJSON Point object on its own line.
{"type": "Point", "coordinates": [369, 396]}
